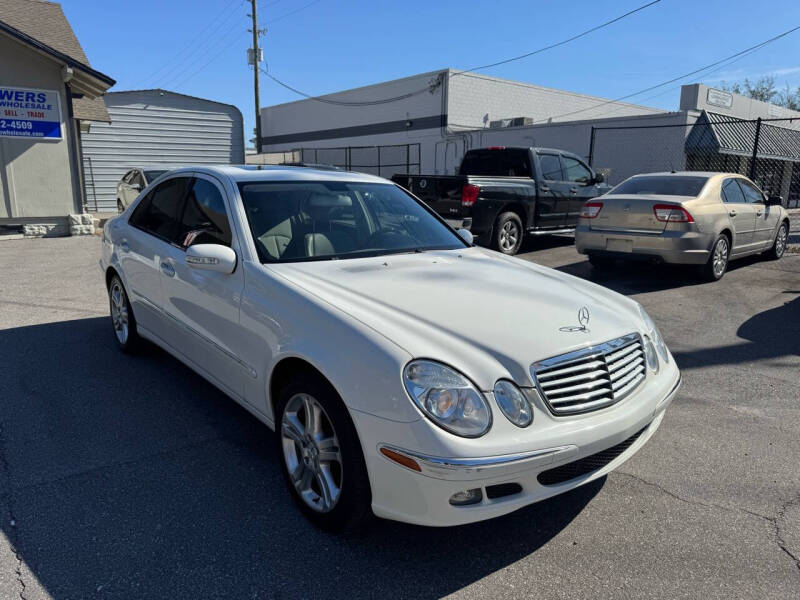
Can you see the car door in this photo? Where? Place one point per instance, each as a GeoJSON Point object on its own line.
{"type": "Point", "coordinates": [582, 186]}
{"type": "Point", "coordinates": [553, 192]}
{"type": "Point", "coordinates": [144, 244]}
{"type": "Point", "coordinates": [766, 217]}
{"type": "Point", "coordinates": [202, 307]}
{"type": "Point", "coordinates": [741, 215]}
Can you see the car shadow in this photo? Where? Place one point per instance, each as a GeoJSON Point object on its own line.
{"type": "Point", "coordinates": [133, 477]}
{"type": "Point", "coordinates": [770, 334]}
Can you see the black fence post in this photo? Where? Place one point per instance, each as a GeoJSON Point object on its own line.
{"type": "Point", "coordinates": [591, 147]}
{"type": "Point", "coordinates": [752, 173]}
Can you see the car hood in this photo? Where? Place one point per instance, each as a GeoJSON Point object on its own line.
{"type": "Point", "coordinates": [486, 314]}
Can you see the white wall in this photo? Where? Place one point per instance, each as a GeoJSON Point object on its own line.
{"type": "Point", "coordinates": [475, 99]}
{"type": "Point", "coordinates": [36, 178]}
{"type": "Point", "coordinates": [696, 95]}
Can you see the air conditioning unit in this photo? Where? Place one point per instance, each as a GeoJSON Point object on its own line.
{"type": "Point", "coordinates": [512, 122]}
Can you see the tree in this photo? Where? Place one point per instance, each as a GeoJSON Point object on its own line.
{"type": "Point", "coordinates": [764, 89]}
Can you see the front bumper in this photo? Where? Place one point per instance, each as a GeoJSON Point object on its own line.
{"type": "Point", "coordinates": [402, 494]}
{"type": "Point", "coordinates": [670, 246]}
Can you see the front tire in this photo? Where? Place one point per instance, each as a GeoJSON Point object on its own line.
{"type": "Point", "coordinates": [717, 264]}
{"type": "Point", "coordinates": [122, 319]}
{"type": "Point", "coordinates": [779, 245]}
{"type": "Point", "coordinates": [322, 461]}
{"type": "Point", "coordinates": [507, 237]}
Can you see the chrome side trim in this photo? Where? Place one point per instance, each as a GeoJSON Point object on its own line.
{"type": "Point", "coordinates": [250, 370]}
{"type": "Point", "coordinates": [459, 468]}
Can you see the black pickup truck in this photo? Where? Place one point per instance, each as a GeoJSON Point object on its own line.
{"type": "Point", "coordinates": [502, 194]}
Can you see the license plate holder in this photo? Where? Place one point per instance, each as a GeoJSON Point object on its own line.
{"type": "Point", "coordinates": [619, 245]}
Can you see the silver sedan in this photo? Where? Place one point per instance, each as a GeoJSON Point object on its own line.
{"type": "Point", "coordinates": [692, 218]}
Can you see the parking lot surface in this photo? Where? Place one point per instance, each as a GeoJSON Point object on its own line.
{"type": "Point", "coordinates": [132, 477]}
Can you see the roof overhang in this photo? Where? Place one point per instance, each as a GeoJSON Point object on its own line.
{"type": "Point", "coordinates": [722, 134]}
{"type": "Point", "coordinates": [85, 79]}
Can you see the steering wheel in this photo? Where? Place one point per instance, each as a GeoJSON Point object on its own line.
{"type": "Point", "coordinates": [382, 235]}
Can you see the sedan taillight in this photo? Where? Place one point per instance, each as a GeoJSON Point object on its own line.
{"type": "Point", "coordinates": [672, 213]}
{"type": "Point", "coordinates": [591, 209]}
{"type": "Point", "coordinates": [469, 194]}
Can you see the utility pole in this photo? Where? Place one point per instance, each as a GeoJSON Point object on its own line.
{"type": "Point", "coordinates": [256, 59]}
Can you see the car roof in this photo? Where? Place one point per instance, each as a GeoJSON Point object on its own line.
{"type": "Point", "coordinates": [280, 173]}
{"type": "Point", "coordinates": [707, 174]}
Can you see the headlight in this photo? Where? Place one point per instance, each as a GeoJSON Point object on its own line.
{"type": "Point", "coordinates": [650, 354]}
{"type": "Point", "coordinates": [655, 335]}
{"type": "Point", "coordinates": [513, 403]}
{"type": "Point", "coordinates": [448, 398]}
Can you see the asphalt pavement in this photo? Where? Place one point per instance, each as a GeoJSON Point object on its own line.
{"type": "Point", "coordinates": [134, 478]}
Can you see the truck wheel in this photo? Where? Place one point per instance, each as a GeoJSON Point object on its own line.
{"type": "Point", "coordinates": [507, 236]}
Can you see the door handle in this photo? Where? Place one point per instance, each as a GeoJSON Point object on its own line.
{"type": "Point", "coordinates": [573, 190]}
{"type": "Point", "coordinates": [123, 245]}
{"type": "Point", "coordinates": [544, 188]}
{"type": "Point", "coordinates": [732, 213]}
{"type": "Point", "coordinates": [759, 213]}
{"type": "Point", "coordinates": [167, 268]}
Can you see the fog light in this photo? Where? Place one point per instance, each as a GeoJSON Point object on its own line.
{"type": "Point", "coordinates": [472, 496]}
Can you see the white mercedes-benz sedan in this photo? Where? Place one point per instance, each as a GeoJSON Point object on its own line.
{"type": "Point", "coordinates": [407, 373]}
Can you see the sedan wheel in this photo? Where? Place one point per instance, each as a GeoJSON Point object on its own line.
{"type": "Point", "coordinates": [311, 452]}
{"type": "Point", "coordinates": [779, 246]}
{"type": "Point", "coordinates": [717, 263]}
{"type": "Point", "coordinates": [122, 318]}
{"type": "Point", "coordinates": [323, 463]}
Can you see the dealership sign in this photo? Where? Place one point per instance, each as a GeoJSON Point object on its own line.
{"type": "Point", "coordinates": [30, 113]}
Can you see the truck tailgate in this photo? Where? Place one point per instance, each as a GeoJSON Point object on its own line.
{"type": "Point", "coordinates": [441, 192]}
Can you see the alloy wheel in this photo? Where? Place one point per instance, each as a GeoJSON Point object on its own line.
{"type": "Point", "coordinates": [119, 312]}
{"type": "Point", "coordinates": [509, 235]}
{"type": "Point", "coordinates": [312, 453]}
{"type": "Point", "coordinates": [720, 257]}
{"type": "Point", "coordinates": [780, 241]}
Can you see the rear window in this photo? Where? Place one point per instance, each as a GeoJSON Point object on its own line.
{"type": "Point", "coordinates": [508, 162]}
{"type": "Point", "coordinates": [661, 185]}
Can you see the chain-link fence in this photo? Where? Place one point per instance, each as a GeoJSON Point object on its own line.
{"type": "Point", "coordinates": [766, 150]}
{"type": "Point", "coordinates": [383, 161]}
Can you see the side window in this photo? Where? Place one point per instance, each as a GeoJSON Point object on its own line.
{"type": "Point", "coordinates": [137, 179]}
{"type": "Point", "coordinates": [751, 193]}
{"type": "Point", "coordinates": [732, 193]}
{"type": "Point", "coordinates": [127, 177]}
{"type": "Point", "coordinates": [204, 219]}
{"type": "Point", "coordinates": [160, 209]}
{"type": "Point", "coordinates": [576, 171]}
{"type": "Point", "coordinates": [551, 167]}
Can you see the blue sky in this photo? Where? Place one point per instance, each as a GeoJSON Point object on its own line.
{"type": "Point", "coordinates": [198, 47]}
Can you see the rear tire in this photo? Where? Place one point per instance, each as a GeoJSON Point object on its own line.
{"type": "Point", "coordinates": [508, 233]}
{"type": "Point", "coordinates": [717, 264]}
{"type": "Point", "coordinates": [122, 318]}
{"type": "Point", "coordinates": [779, 245]}
{"type": "Point", "coordinates": [321, 458]}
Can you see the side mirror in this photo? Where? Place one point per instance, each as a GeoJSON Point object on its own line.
{"type": "Point", "coordinates": [598, 178]}
{"type": "Point", "coordinates": [466, 235]}
{"type": "Point", "coordinates": [775, 201]}
{"type": "Point", "coordinates": [211, 257]}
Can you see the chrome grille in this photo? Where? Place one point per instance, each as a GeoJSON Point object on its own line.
{"type": "Point", "coordinates": [592, 378]}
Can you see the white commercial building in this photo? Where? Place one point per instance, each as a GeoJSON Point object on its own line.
{"type": "Point", "coordinates": [425, 124]}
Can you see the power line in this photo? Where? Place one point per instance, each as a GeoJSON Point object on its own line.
{"type": "Point", "coordinates": [685, 75]}
{"type": "Point", "coordinates": [196, 44]}
{"type": "Point", "coordinates": [291, 12]}
{"type": "Point", "coordinates": [562, 42]}
{"type": "Point", "coordinates": [417, 92]}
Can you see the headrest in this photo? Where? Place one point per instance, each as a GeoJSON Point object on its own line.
{"type": "Point", "coordinates": [329, 201]}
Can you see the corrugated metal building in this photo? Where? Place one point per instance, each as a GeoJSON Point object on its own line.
{"type": "Point", "coordinates": [157, 127]}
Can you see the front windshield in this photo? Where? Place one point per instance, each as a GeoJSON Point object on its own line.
{"type": "Point", "coordinates": [317, 220]}
{"type": "Point", "coordinates": [662, 185]}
